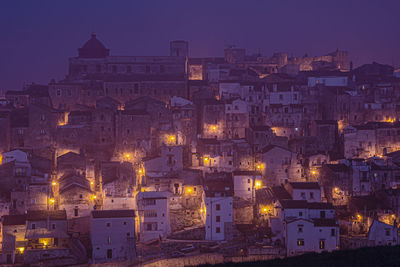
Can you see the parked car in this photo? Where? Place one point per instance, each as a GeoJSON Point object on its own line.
{"type": "Point", "coordinates": [209, 248]}
{"type": "Point", "coordinates": [177, 254]}
{"type": "Point", "coordinates": [188, 248]}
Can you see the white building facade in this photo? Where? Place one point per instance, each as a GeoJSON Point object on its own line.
{"type": "Point", "coordinates": [113, 235]}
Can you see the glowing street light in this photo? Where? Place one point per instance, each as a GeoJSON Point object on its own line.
{"type": "Point", "coordinates": [257, 184]}
{"type": "Point", "coordinates": [171, 138]}
{"type": "Point", "coordinates": [260, 166]}
{"type": "Point", "coordinates": [127, 156]}
{"type": "Point", "coordinates": [336, 189]}
{"type": "Point", "coordinates": [266, 209]}
{"type": "Point", "coordinates": [52, 201]}
{"type": "Point", "coordinates": [54, 183]}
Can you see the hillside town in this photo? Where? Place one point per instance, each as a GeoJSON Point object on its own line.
{"type": "Point", "coordinates": [132, 159]}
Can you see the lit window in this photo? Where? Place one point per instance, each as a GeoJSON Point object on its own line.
{"type": "Point", "coordinates": [322, 244]}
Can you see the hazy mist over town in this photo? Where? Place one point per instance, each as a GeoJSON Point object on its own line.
{"type": "Point", "coordinates": [184, 133]}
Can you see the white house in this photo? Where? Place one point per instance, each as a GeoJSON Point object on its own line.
{"type": "Point", "coordinates": [304, 191]}
{"type": "Point", "coordinates": [303, 235]}
{"type": "Point", "coordinates": [283, 95]}
{"type": "Point", "coordinates": [113, 235]}
{"type": "Point", "coordinates": [245, 183]}
{"type": "Point", "coordinates": [154, 217]}
{"type": "Point", "coordinates": [306, 226]}
{"type": "Point", "coordinates": [17, 155]}
{"type": "Point", "coordinates": [382, 234]}
{"type": "Point", "coordinates": [328, 79]}
{"type": "Point", "coordinates": [219, 212]}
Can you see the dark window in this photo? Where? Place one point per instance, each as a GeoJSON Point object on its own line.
{"type": "Point", "coordinates": [33, 226]}
{"type": "Point", "coordinates": [300, 242]}
{"type": "Point", "coordinates": [300, 228]}
{"type": "Point", "coordinates": [53, 226]}
{"type": "Point", "coordinates": [322, 214]}
{"type": "Point", "coordinates": [108, 224]}
{"type": "Point", "coordinates": [218, 230]}
{"type": "Point", "coordinates": [218, 207]}
{"type": "Point", "coordinates": [218, 218]}
{"type": "Point", "coordinates": [333, 232]}
{"type": "Point", "coordinates": [300, 213]}
{"type": "Point", "coordinates": [109, 253]}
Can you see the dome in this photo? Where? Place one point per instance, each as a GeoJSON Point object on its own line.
{"type": "Point", "coordinates": [93, 49]}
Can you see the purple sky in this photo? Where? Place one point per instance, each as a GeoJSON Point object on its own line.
{"type": "Point", "coordinates": [37, 37]}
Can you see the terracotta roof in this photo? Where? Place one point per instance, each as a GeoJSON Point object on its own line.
{"type": "Point", "coordinates": [337, 167]}
{"type": "Point", "coordinates": [325, 222]}
{"type": "Point", "coordinates": [320, 206]}
{"type": "Point", "coordinates": [209, 141]}
{"type": "Point", "coordinates": [113, 213]}
{"type": "Point", "coordinates": [305, 185]}
{"type": "Point", "coordinates": [40, 215]}
{"type": "Point", "coordinates": [238, 173]}
{"type": "Point", "coordinates": [219, 187]}
{"type": "Point", "coordinates": [137, 112]}
{"type": "Point", "coordinates": [14, 219]}
{"type": "Point", "coordinates": [270, 147]}
{"type": "Point", "coordinates": [293, 204]}
{"type": "Point", "coordinates": [280, 192]}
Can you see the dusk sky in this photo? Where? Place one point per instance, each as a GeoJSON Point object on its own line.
{"type": "Point", "coordinates": [37, 37]}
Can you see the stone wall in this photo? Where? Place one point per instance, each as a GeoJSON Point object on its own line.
{"type": "Point", "coordinates": [206, 259]}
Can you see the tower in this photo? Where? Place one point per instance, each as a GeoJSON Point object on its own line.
{"type": "Point", "coordinates": [179, 48]}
